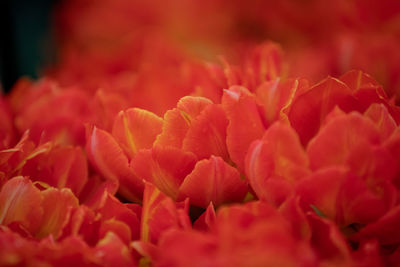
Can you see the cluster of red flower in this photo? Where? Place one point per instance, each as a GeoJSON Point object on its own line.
{"type": "Point", "coordinates": [246, 167]}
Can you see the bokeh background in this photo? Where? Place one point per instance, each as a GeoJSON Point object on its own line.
{"type": "Point", "coordinates": [319, 38]}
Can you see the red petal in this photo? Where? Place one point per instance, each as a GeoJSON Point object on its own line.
{"type": "Point", "coordinates": [114, 252]}
{"type": "Point", "coordinates": [116, 227]}
{"type": "Point", "coordinates": [207, 134]}
{"type": "Point", "coordinates": [386, 229]}
{"type": "Point", "coordinates": [192, 106]}
{"type": "Point", "coordinates": [178, 120]}
{"type": "Point", "coordinates": [184, 248]}
{"type": "Point", "coordinates": [95, 188]}
{"type": "Point", "coordinates": [17, 250]}
{"type": "Point", "coordinates": [110, 161]}
{"type": "Point", "coordinates": [112, 208]}
{"type": "Point", "coordinates": [20, 201]}
{"type": "Point", "coordinates": [321, 190]}
{"type": "Point", "coordinates": [335, 113]}
{"type": "Point", "coordinates": [165, 167]}
{"type": "Point", "coordinates": [72, 251]}
{"type": "Point", "coordinates": [335, 141]}
{"type": "Point", "coordinates": [83, 223]}
{"type": "Point", "coordinates": [356, 79]}
{"type": "Point", "coordinates": [77, 170]}
{"type": "Point", "coordinates": [344, 197]}
{"type": "Point", "coordinates": [135, 129]}
{"type": "Point", "coordinates": [362, 203]}
{"type": "Point", "coordinates": [245, 122]}
{"type": "Point", "coordinates": [277, 96]}
{"type": "Point", "coordinates": [265, 63]}
{"type": "Point", "coordinates": [278, 155]}
{"type": "Point", "coordinates": [369, 254]}
{"type": "Point", "coordinates": [56, 114]}
{"type": "Point", "coordinates": [174, 129]}
{"type": "Point", "coordinates": [258, 231]}
{"type": "Point", "coordinates": [379, 114]}
{"type": "Point", "coordinates": [309, 110]}
{"type": "Point", "coordinates": [206, 221]}
{"type": "Point", "coordinates": [328, 242]}
{"type": "Point", "coordinates": [367, 91]}
{"type": "Point", "coordinates": [59, 167]}
{"type": "Point", "coordinates": [107, 105]}
{"type": "Point", "coordinates": [213, 181]}
{"type": "Point", "coordinates": [159, 213]}
{"type": "Point", "coordinates": [57, 206]}
{"type": "Point", "coordinates": [292, 211]}
{"type": "Point", "coordinates": [374, 164]}
{"type": "Point", "coordinates": [392, 144]}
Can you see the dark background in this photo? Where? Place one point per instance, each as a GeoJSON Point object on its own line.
{"type": "Point", "coordinates": [27, 39]}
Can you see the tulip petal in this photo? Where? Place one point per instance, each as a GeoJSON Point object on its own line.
{"type": "Point", "coordinates": [165, 167]}
{"type": "Point", "coordinates": [184, 248]}
{"type": "Point", "coordinates": [94, 190]}
{"type": "Point", "coordinates": [192, 106]}
{"type": "Point", "coordinates": [135, 129]}
{"type": "Point", "coordinates": [279, 155]}
{"type": "Point", "coordinates": [83, 223]}
{"type": "Point", "coordinates": [361, 204]}
{"type": "Point", "coordinates": [213, 180]}
{"type": "Point", "coordinates": [112, 208]}
{"type": "Point", "coordinates": [385, 229]}
{"type": "Point", "coordinates": [277, 96]}
{"type": "Point", "coordinates": [20, 201]}
{"type": "Point", "coordinates": [264, 63]}
{"type": "Point", "coordinates": [356, 79]}
{"type": "Point", "coordinates": [328, 242]}
{"type": "Point", "coordinates": [245, 123]}
{"type": "Point", "coordinates": [321, 189]}
{"type": "Point", "coordinates": [178, 120]}
{"type": "Point", "coordinates": [292, 211]}
{"type": "Point", "coordinates": [60, 166]}
{"type": "Point", "coordinates": [57, 206]}
{"type": "Point", "coordinates": [110, 161]}
{"type": "Point", "coordinates": [392, 144]}
{"type": "Point", "coordinates": [207, 134]}
{"type": "Point", "coordinates": [114, 252]}
{"type": "Point", "coordinates": [116, 227]}
{"type": "Point", "coordinates": [335, 141]}
{"type": "Point", "coordinates": [258, 231]}
{"type": "Point", "coordinates": [379, 114]}
{"type": "Point", "coordinates": [309, 110]}
{"type": "Point", "coordinates": [174, 129]}
{"type": "Point", "coordinates": [206, 221]}
{"type": "Point", "coordinates": [159, 213]}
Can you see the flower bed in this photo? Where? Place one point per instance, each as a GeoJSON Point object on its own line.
{"type": "Point", "coordinates": [139, 149]}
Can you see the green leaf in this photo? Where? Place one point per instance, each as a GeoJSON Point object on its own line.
{"type": "Point", "coordinates": [317, 211]}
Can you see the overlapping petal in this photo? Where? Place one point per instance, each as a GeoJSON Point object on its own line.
{"type": "Point", "coordinates": [110, 161]}
{"type": "Point", "coordinates": [159, 214]}
{"type": "Point", "coordinates": [165, 167]}
{"type": "Point", "coordinates": [20, 201]}
{"type": "Point", "coordinates": [136, 129]}
{"type": "Point", "coordinates": [246, 123]}
{"type": "Point", "coordinates": [213, 180]}
{"type": "Point", "coordinates": [276, 163]}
